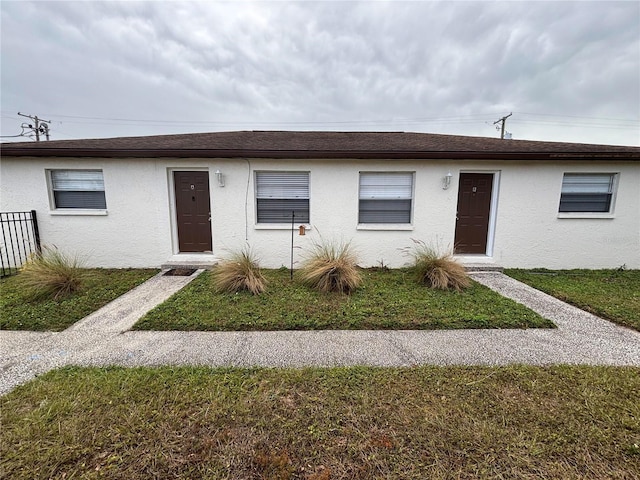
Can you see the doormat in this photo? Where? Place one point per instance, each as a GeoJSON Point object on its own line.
{"type": "Point", "coordinates": [179, 272]}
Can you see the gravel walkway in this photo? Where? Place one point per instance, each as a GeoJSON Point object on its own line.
{"type": "Point", "coordinates": [103, 339]}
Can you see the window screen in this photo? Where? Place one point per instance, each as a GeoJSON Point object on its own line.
{"type": "Point", "coordinates": [278, 194]}
{"type": "Point", "coordinates": [78, 189]}
{"type": "Point", "coordinates": [586, 192]}
{"type": "Point", "coordinates": [385, 197]}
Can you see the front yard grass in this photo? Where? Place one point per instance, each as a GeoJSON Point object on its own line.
{"type": "Point", "coordinates": [387, 299]}
{"type": "Point", "coordinates": [564, 422]}
{"type": "Point", "coordinates": [610, 294]}
{"type": "Point", "coordinates": [20, 312]}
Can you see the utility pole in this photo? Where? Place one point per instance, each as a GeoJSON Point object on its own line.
{"type": "Point", "coordinates": [37, 127]}
{"type": "Point", "coordinates": [503, 120]}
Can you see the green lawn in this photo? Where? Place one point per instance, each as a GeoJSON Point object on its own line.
{"type": "Point", "coordinates": [387, 299]}
{"type": "Point", "coordinates": [19, 312]}
{"type": "Point", "coordinates": [610, 294]}
{"type": "Point", "coordinates": [318, 424]}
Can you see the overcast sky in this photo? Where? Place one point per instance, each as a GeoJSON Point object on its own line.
{"type": "Point", "coordinates": [569, 71]}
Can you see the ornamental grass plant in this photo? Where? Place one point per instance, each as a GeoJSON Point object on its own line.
{"type": "Point", "coordinates": [51, 273]}
{"type": "Point", "coordinates": [331, 267]}
{"type": "Point", "coordinates": [240, 272]}
{"type": "Point", "coordinates": [436, 269]}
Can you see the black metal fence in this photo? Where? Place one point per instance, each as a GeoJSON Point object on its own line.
{"type": "Point", "coordinates": [20, 238]}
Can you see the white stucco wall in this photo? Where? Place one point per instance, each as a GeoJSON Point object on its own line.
{"type": "Point", "coordinates": [134, 232]}
{"type": "Point", "coordinates": [531, 233]}
{"type": "Point", "coordinates": [139, 231]}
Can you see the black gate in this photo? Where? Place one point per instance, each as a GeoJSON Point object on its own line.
{"type": "Point", "coordinates": [20, 238]}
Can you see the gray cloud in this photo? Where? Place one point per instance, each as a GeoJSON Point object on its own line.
{"type": "Point", "coordinates": [373, 65]}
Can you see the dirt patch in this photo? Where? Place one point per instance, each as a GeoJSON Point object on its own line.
{"type": "Point", "coordinates": [179, 272]}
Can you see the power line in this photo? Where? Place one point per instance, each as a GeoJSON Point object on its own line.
{"type": "Point", "coordinates": [453, 118]}
{"type": "Point", "coordinates": [578, 116]}
{"type": "Point", "coordinates": [543, 119]}
{"type": "Point", "coordinates": [13, 136]}
{"type": "Point", "coordinates": [468, 117]}
{"type": "Point", "coordinates": [390, 120]}
{"type": "Point", "coordinates": [574, 124]}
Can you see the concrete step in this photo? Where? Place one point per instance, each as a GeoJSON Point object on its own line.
{"type": "Point", "coordinates": [483, 267]}
{"type": "Point", "coordinates": [202, 264]}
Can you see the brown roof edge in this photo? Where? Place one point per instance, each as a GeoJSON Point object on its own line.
{"type": "Point", "coordinates": [8, 151]}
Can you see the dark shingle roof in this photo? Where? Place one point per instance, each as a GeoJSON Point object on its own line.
{"type": "Point", "coordinates": [302, 144]}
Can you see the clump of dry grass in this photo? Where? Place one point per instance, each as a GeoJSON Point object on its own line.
{"type": "Point", "coordinates": [51, 273]}
{"type": "Point", "coordinates": [240, 272]}
{"type": "Point", "coordinates": [331, 267]}
{"type": "Point", "coordinates": [437, 270]}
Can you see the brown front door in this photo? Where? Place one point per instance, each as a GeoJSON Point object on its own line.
{"type": "Point", "coordinates": [193, 211]}
{"type": "Point", "coordinates": [474, 205]}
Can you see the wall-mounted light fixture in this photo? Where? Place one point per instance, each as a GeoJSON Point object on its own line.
{"type": "Point", "coordinates": [220, 177]}
{"type": "Point", "coordinates": [446, 180]}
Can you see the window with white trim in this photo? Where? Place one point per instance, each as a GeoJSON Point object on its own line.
{"type": "Point", "coordinates": [279, 194]}
{"type": "Point", "coordinates": [385, 197]}
{"type": "Point", "coordinates": [587, 192]}
{"type": "Point", "coordinates": [83, 189]}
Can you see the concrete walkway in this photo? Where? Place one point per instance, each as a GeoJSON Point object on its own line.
{"type": "Point", "coordinates": [103, 338]}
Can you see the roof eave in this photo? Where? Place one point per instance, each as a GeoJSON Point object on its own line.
{"type": "Point", "coordinates": [9, 151]}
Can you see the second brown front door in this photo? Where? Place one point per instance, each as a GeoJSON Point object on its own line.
{"type": "Point", "coordinates": [474, 207]}
{"type": "Point", "coordinates": [193, 211]}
